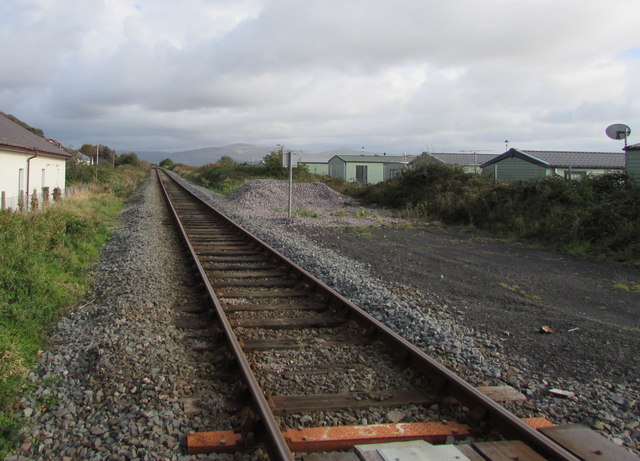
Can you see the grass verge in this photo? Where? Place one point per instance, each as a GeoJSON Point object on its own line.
{"type": "Point", "coordinates": [44, 259]}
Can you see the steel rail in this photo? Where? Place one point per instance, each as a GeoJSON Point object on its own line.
{"type": "Point", "coordinates": [275, 443]}
{"type": "Point", "coordinates": [484, 408]}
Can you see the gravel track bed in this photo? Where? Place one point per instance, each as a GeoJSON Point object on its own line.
{"type": "Point", "coordinates": [115, 380]}
{"type": "Point", "coordinates": [606, 402]}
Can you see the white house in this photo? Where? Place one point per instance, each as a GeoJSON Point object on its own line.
{"type": "Point", "coordinates": [28, 163]}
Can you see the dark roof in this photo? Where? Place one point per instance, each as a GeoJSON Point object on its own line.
{"type": "Point", "coordinates": [462, 159]}
{"type": "Point", "coordinates": [562, 159]}
{"type": "Point", "coordinates": [312, 159]}
{"type": "Point", "coordinates": [632, 147]}
{"type": "Point", "coordinates": [16, 138]}
{"type": "Point", "coordinates": [375, 158]}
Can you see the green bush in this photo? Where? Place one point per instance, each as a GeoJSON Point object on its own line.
{"type": "Point", "coordinates": [598, 216]}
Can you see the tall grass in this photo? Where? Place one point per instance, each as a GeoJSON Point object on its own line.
{"type": "Point", "coordinates": [44, 257]}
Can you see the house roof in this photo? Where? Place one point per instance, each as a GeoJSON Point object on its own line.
{"type": "Point", "coordinates": [462, 159]}
{"type": "Point", "coordinates": [312, 159]}
{"type": "Point", "coordinates": [562, 159]}
{"type": "Point", "coordinates": [632, 147]}
{"type": "Point", "coordinates": [374, 158]}
{"type": "Point", "coordinates": [16, 138]}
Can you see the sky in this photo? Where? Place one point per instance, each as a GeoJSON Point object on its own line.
{"type": "Point", "coordinates": [394, 76]}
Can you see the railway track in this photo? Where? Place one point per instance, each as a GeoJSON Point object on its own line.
{"type": "Point", "coordinates": [307, 356]}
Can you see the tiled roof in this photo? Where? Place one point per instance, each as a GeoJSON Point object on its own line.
{"type": "Point", "coordinates": [462, 159]}
{"type": "Point", "coordinates": [15, 137]}
{"type": "Point", "coordinates": [563, 159]}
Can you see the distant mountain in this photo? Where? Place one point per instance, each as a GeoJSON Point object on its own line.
{"type": "Point", "coordinates": [241, 153]}
{"type": "Point", "coordinates": [197, 157]}
{"type": "Point", "coordinates": [331, 153]}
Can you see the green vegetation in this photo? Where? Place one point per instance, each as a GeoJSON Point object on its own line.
{"type": "Point", "coordinates": [226, 175]}
{"type": "Point", "coordinates": [598, 216]}
{"type": "Point", "coordinates": [630, 286]}
{"type": "Point", "coordinates": [44, 258]}
{"type": "Point", "coordinates": [104, 178]}
{"type": "Point", "coordinates": [305, 213]}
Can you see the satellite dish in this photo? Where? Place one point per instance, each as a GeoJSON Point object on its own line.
{"type": "Point", "coordinates": [618, 131]}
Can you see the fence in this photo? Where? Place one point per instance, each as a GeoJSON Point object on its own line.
{"type": "Point", "coordinates": [39, 200]}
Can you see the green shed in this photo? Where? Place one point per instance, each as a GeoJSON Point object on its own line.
{"type": "Point", "coordinates": [367, 169]}
{"type": "Point", "coordinates": [632, 162]}
{"type": "Point", "coordinates": [315, 165]}
{"type": "Point", "coordinates": [516, 164]}
{"type": "Point", "coordinates": [469, 161]}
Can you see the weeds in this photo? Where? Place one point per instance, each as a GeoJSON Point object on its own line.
{"type": "Point", "coordinates": [519, 291]}
{"type": "Point", "coordinates": [305, 213]}
{"type": "Point", "coordinates": [633, 287]}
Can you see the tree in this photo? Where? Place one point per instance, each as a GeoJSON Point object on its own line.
{"type": "Point", "coordinates": [89, 150]}
{"type": "Point", "coordinates": [128, 159]}
{"type": "Point", "coordinates": [166, 163]}
{"type": "Point", "coordinates": [105, 153]}
{"type": "Point", "coordinates": [273, 160]}
{"type": "Point", "coordinates": [225, 160]}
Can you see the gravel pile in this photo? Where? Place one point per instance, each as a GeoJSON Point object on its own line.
{"type": "Point", "coordinates": [115, 381]}
{"type": "Point", "coordinates": [273, 195]}
{"type": "Point", "coordinates": [313, 204]}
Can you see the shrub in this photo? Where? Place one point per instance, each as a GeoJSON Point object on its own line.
{"type": "Point", "coordinates": [599, 215]}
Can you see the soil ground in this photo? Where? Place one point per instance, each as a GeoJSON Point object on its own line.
{"type": "Point", "coordinates": [511, 290]}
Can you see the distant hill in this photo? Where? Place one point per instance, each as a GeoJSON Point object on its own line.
{"type": "Point", "coordinates": [239, 152]}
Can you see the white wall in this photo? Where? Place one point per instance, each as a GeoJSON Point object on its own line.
{"type": "Point", "coordinates": [43, 172]}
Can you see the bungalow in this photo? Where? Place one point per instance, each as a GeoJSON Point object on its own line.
{"type": "Point", "coordinates": [633, 163]}
{"type": "Point", "coordinates": [469, 161]}
{"type": "Point", "coordinates": [517, 164]}
{"type": "Point", "coordinates": [315, 165]}
{"type": "Point", "coordinates": [28, 163]}
{"type": "Point", "coordinates": [367, 169]}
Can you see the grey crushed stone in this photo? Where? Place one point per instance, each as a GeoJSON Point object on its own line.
{"type": "Point", "coordinates": [113, 380]}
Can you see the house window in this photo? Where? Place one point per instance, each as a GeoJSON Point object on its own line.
{"type": "Point", "coordinates": [361, 174]}
{"type": "Point", "coordinates": [576, 175]}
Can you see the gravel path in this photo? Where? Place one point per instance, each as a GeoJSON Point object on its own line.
{"type": "Point", "coordinates": [115, 381]}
